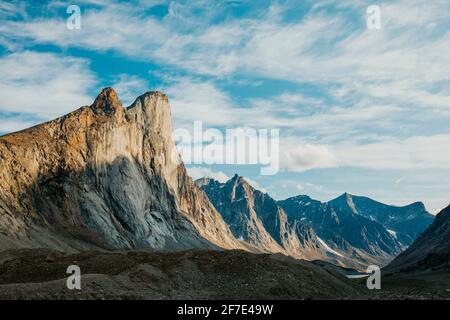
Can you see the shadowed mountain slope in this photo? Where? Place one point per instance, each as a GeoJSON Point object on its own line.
{"type": "Point", "coordinates": [350, 224]}
{"type": "Point", "coordinates": [431, 251]}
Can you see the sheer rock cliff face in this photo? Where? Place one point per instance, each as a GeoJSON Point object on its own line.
{"type": "Point", "coordinates": [104, 176]}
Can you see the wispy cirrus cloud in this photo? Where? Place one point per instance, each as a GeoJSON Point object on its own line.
{"type": "Point", "coordinates": [320, 47]}
{"type": "Point", "coordinates": [418, 152]}
{"type": "Point", "coordinates": [11, 123]}
{"type": "Point", "coordinates": [129, 87]}
{"type": "Point", "coordinates": [44, 84]}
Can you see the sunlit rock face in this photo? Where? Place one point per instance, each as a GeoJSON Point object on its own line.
{"type": "Point", "coordinates": [104, 176]}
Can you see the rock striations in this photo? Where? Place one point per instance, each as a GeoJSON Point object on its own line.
{"type": "Point", "coordinates": [104, 176]}
{"type": "Point", "coordinates": [349, 231]}
{"type": "Point", "coordinates": [255, 218]}
{"type": "Point", "coordinates": [363, 229]}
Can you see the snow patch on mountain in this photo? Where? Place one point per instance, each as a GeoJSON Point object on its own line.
{"type": "Point", "coordinates": [323, 243]}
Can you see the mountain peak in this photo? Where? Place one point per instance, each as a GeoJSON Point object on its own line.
{"type": "Point", "coordinates": [419, 205]}
{"type": "Point", "coordinates": [124, 159]}
{"type": "Point", "coordinates": [107, 102]}
{"type": "Point", "coordinates": [149, 95]}
{"type": "Point", "coordinates": [240, 180]}
{"type": "Point", "coordinates": [237, 179]}
{"type": "Point", "coordinates": [155, 93]}
{"type": "Point", "coordinates": [347, 195]}
{"type": "Point", "coordinates": [345, 200]}
{"type": "Point", "coordinates": [343, 197]}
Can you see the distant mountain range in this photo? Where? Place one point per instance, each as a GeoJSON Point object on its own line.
{"type": "Point", "coordinates": [255, 218]}
{"type": "Point", "coordinates": [349, 230]}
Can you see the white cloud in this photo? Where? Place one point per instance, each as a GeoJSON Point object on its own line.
{"type": "Point", "coordinates": [43, 84]}
{"type": "Point", "coordinates": [342, 133]}
{"type": "Point", "coordinates": [308, 187]}
{"type": "Point", "coordinates": [417, 152]}
{"type": "Point", "coordinates": [389, 88]}
{"type": "Point", "coordinates": [194, 100]}
{"type": "Point", "coordinates": [11, 9]}
{"type": "Point", "coordinates": [200, 101]}
{"type": "Point", "coordinates": [12, 124]}
{"type": "Point", "coordinates": [265, 44]}
{"type": "Point", "coordinates": [129, 87]}
{"type": "Point", "coordinates": [203, 172]}
{"type": "Point", "coordinates": [420, 152]}
{"type": "Point", "coordinates": [297, 156]}
{"type": "Point", "coordinates": [410, 50]}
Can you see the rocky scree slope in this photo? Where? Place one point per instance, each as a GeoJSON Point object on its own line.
{"type": "Point", "coordinates": [193, 274]}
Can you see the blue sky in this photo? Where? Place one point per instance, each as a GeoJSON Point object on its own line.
{"type": "Point", "coordinates": [360, 111]}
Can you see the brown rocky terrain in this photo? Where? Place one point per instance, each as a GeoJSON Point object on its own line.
{"type": "Point", "coordinates": [196, 274]}
{"type": "Point", "coordinates": [41, 274]}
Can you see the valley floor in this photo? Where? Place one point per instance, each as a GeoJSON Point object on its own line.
{"type": "Point", "coordinates": [195, 274]}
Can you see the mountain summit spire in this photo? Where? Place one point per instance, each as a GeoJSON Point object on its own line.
{"type": "Point", "coordinates": [107, 102]}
